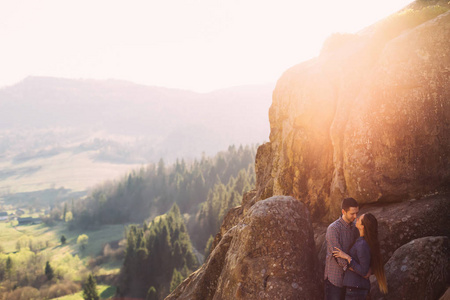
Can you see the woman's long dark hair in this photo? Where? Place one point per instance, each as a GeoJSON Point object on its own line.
{"type": "Point", "coordinates": [370, 224]}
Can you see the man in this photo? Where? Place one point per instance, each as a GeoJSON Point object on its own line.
{"type": "Point", "coordinates": [342, 233]}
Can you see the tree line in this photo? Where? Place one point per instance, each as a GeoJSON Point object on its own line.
{"type": "Point", "coordinates": [158, 257]}
{"type": "Point", "coordinates": [204, 190]}
{"type": "Point", "coordinates": [221, 198]}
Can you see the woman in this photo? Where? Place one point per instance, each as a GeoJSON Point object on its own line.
{"type": "Point", "coordinates": [363, 255]}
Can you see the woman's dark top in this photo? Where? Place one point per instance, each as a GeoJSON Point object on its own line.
{"type": "Point", "coordinates": [360, 253]}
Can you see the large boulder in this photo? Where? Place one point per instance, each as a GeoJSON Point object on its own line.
{"type": "Point", "coordinates": [269, 254]}
{"type": "Point", "coordinates": [369, 120]}
{"type": "Point", "coordinates": [400, 223]}
{"type": "Point", "coordinates": [417, 270]}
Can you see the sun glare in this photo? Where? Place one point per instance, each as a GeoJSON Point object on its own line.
{"type": "Point", "coordinates": [199, 45]}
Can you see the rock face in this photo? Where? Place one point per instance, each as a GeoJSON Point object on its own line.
{"type": "Point", "coordinates": [370, 120]}
{"type": "Point", "coordinates": [400, 223]}
{"type": "Point", "coordinates": [417, 270]}
{"type": "Point", "coordinates": [269, 254]}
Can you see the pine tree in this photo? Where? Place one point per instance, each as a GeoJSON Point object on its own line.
{"type": "Point", "coordinates": [49, 271]}
{"type": "Point", "coordinates": [9, 266]}
{"type": "Point", "coordinates": [208, 246]}
{"type": "Point", "coordinates": [151, 295]}
{"type": "Point", "coordinates": [64, 212]}
{"type": "Point", "coordinates": [90, 289]}
{"type": "Point", "coordinates": [177, 278]}
{"type": "Point", "coordinates": [73, 209]}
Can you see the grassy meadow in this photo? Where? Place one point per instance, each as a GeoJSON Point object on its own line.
{"type": "Point", "coordinates": [69, 261]}
{"type": "Point", "coordinates": [104, 291]}
{"type": "Point", "coordinates": [43, 237]}
{"type": "Point", "coordinates": [73, 171]}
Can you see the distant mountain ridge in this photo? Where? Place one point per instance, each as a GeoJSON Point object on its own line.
{"type": "Point", "coordinates": [97, 102]}
{"type": "Point", "coordinates": [120, 122]}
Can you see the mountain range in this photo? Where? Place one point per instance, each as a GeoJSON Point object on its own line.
{"type": "Point", "coordinates": [70, 133]}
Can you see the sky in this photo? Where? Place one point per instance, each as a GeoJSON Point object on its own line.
{"type": "Point", "coordinates": [198, 45]}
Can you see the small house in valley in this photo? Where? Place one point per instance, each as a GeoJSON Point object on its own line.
{"type": "Point", "coordinates": [29, 221]}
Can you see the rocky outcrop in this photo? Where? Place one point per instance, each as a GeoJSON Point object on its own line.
{"type": "Point", "coordinates": [417, 270]}
{"type": "Point", "coordinates": [370, 120]}
{"type": "Point", "coordinates": [202, 284]}
{"type": "Point", "coordinates": [270, 254]}
{"type": "Point", "coordinates": [263, 170]}
{"type": "Point", "coordinates": [400, 223]}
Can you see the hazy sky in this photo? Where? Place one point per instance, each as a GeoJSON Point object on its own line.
{"type": "Point", "coordinates": [199, 45]}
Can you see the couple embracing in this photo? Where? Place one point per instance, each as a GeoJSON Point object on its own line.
{"type": "Point", "coordinates": [353, 254]}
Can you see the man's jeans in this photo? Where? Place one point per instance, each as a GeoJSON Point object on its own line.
{"type": "Point", "coordinates": [333, 292]}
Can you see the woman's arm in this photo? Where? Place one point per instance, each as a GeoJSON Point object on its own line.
{"type": "Point", "coordinates": [363, 254]}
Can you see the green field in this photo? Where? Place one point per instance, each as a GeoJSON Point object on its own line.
{"type": "Point", "coordinates": [68, 260]}
{"type": "Point", "coordinates": [67, 170]}
{"type": "Point", "coordinates": [46, 240]}
{"type": "Point", "coordinates": [8, 237]}
{"type": "Point", "coordinates": [44, 237]}
{"type": "Point", "coordinates": [104, 291]}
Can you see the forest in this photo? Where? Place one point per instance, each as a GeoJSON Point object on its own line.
{"type": "Point", "coordinates": [158, 257]}
{"type": "Point", "coordinates": [203, 190]}
{"type": "Point", "coordinates": [138, 236]}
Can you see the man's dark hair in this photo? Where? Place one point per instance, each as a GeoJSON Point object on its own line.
{"type": "Point", "coordinates": [348, 202]}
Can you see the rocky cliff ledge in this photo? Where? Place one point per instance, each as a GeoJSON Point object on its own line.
{"type": "Point", "coordinates": [370, 119]}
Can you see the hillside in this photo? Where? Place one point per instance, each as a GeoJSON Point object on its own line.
{"type": "Point", "coordinates": [175, 204]}
{"type": "Point", "coordinates": [75, 133]}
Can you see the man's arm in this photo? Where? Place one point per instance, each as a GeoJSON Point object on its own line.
{"type": "Point", "coordinates": [332, 238]}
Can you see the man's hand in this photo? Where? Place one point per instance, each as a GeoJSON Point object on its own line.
{"type": "Point", "coordinates": [339, 253]}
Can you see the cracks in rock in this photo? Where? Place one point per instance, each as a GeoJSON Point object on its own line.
{"type": "Point", "coordinates": [265, 281]}
{"type": "Point", "coordinates": [336, 135]}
